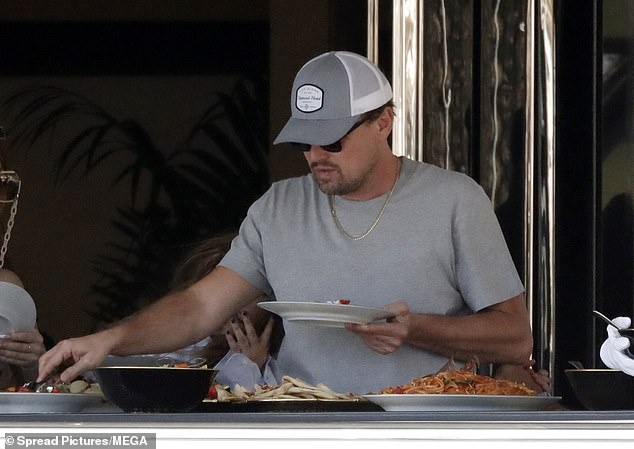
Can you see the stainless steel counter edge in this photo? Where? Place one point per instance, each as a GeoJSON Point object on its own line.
{"type": "Point", "coordinates": [623, 418]}
{"type": "Point", "coordinates": [349, 430]}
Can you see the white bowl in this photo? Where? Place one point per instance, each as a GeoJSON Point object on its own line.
{"type": "Point", "coordinates": [17, 309]}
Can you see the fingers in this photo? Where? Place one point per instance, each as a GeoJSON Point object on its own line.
{"type": "Point", "coordinates": [78, 363]}
{"type": "Point", "coordinates": [15, 347]}
{"type": "Point", "coordinates": [543, 373]}
{"type": "Point", "coordinates": [69, 352]}
{"type": "Point", "coordinates": [398, 328]}
{"type": "Point", "coordinates": [51, 360]}
{"type": "Point", "coordinates": [73, 371]}
{"type": "Point", "coordinates": [383, 344]}
{"type": "Point", "coordinates": [378, 337]}
{"type": "Point", "coordinates": [17, 358]}
{"type": "Point", "coordinates": [371, 329]}
{"type": "Point", "coordinates": [240, 340]}
{"type": "Point", "coordinates": [242, 335]}
{"type": "Point", "coordinates": [529, 364]}
{"type": "Point", "coordinates": [249, 329]}
{"type": "Point", "coordinates": [265, 337]}
{"type": "Point", "coordinates": [27, 337]}
{"type": "Point", "coordinates": [231, 341]}
{"type": "Point", "coordinates": [230, 335]}
{"type": "Point", "coordinates": [21, 348]}
{"type": "Point", "coordinates": [239, 334]}
{"type": "Point", "coordinates": [397, 308]}
{"type": "Point", "coordinates": [387, 337]}
{"type": "Point", "coordinates": [542, 379]}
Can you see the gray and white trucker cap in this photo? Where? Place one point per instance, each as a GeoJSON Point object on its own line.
{"type": "Point", "coordinates": [329, 94]}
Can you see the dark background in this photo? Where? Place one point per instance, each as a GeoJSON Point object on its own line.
{"type": "Point", "coordinates": [270, 40]}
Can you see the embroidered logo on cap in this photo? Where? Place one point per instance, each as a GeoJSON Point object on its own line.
{"type": "Point", "coordinates": [309, 98]}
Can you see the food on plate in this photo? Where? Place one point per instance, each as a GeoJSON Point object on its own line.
{"type": "Point", "coordinates": [290, 388]}
{"type": "Point", "coordinates": [339, 301]}
{"type": "Point", "coordinates": [462, 381]}
{"type": "Point", "coordinates": [196, 362]}
{"type": "Point", "coordinates": [76, 386]}
{"type": "Point", "coordinates": [212, 393]}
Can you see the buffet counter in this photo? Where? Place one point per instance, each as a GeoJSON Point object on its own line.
{"type": "Point", "coordinates": [367, 429]}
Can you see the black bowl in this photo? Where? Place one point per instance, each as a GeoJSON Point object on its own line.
{"type": "Point", "coordinates": [602, 389]}
{"type": "Point", "coordinates": [154, 389]}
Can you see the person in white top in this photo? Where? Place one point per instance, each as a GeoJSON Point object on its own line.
{"type": "Point", "coordinates": [19, 350]}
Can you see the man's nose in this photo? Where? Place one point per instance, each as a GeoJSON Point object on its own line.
{"type": "Point", "coordinates": [316, 152]}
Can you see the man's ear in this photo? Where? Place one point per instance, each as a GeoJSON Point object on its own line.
{"type": "Point", "coordinates": [386, 121]}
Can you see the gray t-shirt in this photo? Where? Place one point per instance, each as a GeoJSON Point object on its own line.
{"type": "Point", "coordinates": [438, 247]}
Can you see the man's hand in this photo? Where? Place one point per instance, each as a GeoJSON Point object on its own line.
{"type": "Point", "coordinates": [385, 338]}
{"type": "Point", "coordinates": [535, 380]}
{"type": "Point", "coordinates": [74, 356]}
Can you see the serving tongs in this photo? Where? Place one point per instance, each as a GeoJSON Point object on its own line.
{"type": "Point", "coordinates": [46, 386]}
{"type": "Point", "coordinates": [624, 332]}
{"type": "Point", "coordinates": [628, 333]}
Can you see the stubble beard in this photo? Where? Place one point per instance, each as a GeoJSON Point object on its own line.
{"type": "Point", "coordinates": [334, 184]}
{"type": "Point", "coordinates": [338, 188]}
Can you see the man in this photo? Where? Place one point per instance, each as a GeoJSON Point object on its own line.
{"type": "Point", "coordinates": [368, 226]}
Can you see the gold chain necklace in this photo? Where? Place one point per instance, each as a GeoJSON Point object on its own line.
{"type": "Point", "coordinates": [333, 211]}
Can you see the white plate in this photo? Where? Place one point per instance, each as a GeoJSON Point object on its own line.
{"type": "Point", "coordinates": [458, 402]}
{"type": "Point", "coordinates": [27, 402]}
{"type": "Point", "coordinates": [323, 314]}
{"type": "Point", "coordinates": [17, 309]}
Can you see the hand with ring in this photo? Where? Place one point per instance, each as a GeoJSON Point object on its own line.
{"type": "Point", "coordinates": [22, 348]}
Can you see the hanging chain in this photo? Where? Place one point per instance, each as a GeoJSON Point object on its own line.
{"type": "Point", "coordinates": [14, 205]}
{"type": "Point", "coordinates": [7, 233]}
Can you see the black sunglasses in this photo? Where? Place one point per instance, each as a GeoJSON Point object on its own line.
{"type": "Point", "coordinates": [334, 147]}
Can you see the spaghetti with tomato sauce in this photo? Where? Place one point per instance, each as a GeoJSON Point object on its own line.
{"type": "Point", "coordinates": [460, 382]}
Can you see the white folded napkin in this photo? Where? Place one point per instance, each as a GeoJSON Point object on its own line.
{"type": "Point", "coordinates": [615, 350]}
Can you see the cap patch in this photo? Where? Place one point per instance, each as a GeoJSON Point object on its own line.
{"type": "Point", "coordinates": [309, 98]}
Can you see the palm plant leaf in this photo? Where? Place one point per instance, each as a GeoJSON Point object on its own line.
{"type": "Point", "coordinates": [198, 190]}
